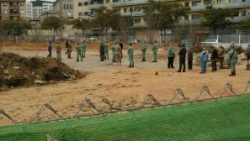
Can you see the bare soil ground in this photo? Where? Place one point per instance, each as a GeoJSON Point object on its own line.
{"type": "Point", "coordinates": [124, 87]}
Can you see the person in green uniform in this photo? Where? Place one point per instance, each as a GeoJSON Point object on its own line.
{"type": "Point", "coordinates": [232, 59]}
{"type": "Point", "coordinates": [78, 52]}
{"type": "Point", "coordinates": [171, 55]}
{"type": "Point", "coordinates": [131, 55]}
{"type": "Point", "coordinates": [106, 50]}
{"type": "Point", "coordinates": [113, 52]}
{"type": "Point", "coordinates": [155, 50]}
{"type": "Point", "coordinates": [84, 48]}
{"type": "Point", "coordinates": [144, 49]}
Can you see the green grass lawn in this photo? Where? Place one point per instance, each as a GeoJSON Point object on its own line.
{"type": "Point", "coordinates": [226, 119]}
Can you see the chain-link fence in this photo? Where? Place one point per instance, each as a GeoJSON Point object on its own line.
{"type": "Point", "coordinates": [216, 119]}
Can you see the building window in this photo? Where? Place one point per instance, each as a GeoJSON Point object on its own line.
{"type": "Point", "coordinates": [5, 4]}
{"type": "Point", "coordinates": [236, 14]}
{"type": "Point", "coordinates": [86, 3]}
{"type": "Point", "coordinates": [220, 1]}
{"type": "Point", "coordinates": [195, 16]}
{"type": "Point", "coordinates": [187, 4]}
{"type": "Point", "coordinates": [196, 3]}
{"type": "Point", "coordinates": [207, 2]}
{"type": "Point", "coordinates": [137, 20]}
{"type": "Point", "coordinates": [186, 17]}
{"type": "Point", "coordinates": [79, 4]}
{"type": "Point", "coordinates": [243, 0]}
{"type": "Point", "coordinates": [80, 13]}
{"type": "Point", "coordinates": [244, 13]}
{"type": "Point", "coordinates": [232, 1]}
{"type": "Point", "coordinates": [86, 13]}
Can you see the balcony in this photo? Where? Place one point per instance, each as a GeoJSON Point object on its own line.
{"type": "Point", "coordinates": [222, 5]}
{"type": "Point", "coordinates": [14, 14]}
{"type": "Point", "coordinates": [129, 2]}
{"type": "Point", "coordinates": [94, 6]}
{"type": "Point", "coordinates": [139, 25]}
{"type": "Point", "coordinates": [134, 13]}
{"type": "Point", "coordinates": [189, 22]}
{"type": "Point", "coordinates": [233, 5]}
{"type": "Point", "coordinates": [238, 19]}
{"type": "Point", "coordinates": [198, 21]}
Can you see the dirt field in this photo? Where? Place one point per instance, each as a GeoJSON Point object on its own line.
{"type": "Point", "coordinates": [123, 86]}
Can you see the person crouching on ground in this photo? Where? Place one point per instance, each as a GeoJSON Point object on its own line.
{"type": "Point", "coordinates": [204, 59]}
{"type": "Point", "coordinates": [131, 55]}
{"type": "Point", "coordinates": [182, 59]}
{"type": "Point", "coordinates": [232, 59]}
{"type": "Point", "coordinates": [214, 59]}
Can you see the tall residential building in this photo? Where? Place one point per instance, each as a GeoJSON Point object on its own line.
{"type": "Point", "coordinates": [35, 9]}
{"type": "Point", "coordinates": [133, 8]}
{"type": "Point", "coordinates": [65, 8]}
{"type": "Point", "coordinates": [12, 9]}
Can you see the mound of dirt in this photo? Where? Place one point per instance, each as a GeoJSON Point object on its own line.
{"type": "Point", "coordinates": [17, 71]}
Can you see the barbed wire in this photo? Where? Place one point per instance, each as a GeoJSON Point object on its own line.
{"type": "Point", "coordinates": [148, 102]}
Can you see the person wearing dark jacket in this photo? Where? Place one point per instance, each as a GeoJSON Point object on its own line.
{"type": "Point", "coordinates": [67, 47]}
{"type": "Point", "coordinates": [190, 59]}
{"type": "Point", "coordinates": [121, 45]}
{"type": "Point", "coordinates": [182, 58]}
{"type": "Point", "coordinates": [214, 59]}
{"type": "Point", "coordinates": [102, 51]}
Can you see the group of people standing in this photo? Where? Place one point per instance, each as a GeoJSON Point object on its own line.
{"type": "Point", "coordinates": [217, 55]}
{"type": "Point", "coordinates": [80, 49]}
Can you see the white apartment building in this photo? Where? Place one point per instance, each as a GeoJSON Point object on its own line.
{"type": "Point", "coordinates": [34, 9]}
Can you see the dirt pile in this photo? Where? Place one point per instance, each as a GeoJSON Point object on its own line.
{"type": "Point", "coordinates": [16, 71]}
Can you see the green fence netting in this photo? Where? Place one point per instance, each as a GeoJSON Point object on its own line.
{"type": "Point", "coordinates": [216, 119]}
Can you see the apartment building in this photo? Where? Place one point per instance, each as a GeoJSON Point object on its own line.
{"type": "Point", "coordinates": [133, 8]}
{"type": "Point", "coordinates": [10, 9]}
{"type": "Point", "coordinates": [35, 9]}
{"type": "Point", "coordinates": [242, 8]}
{"type": "Point", "coordinates": [65, 8]}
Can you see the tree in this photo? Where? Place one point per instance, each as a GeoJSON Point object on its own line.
{"type": "Point", "coordinates": [106, 19]}
{"type": "Point", "coordinates": [82, 24]}
{"type": "Point", "coordinates": [170, 14]}
{"type": "Point", "coordinates": [14, 27]}
{"type": "Point", "coordinates": [52, 23]}
{"type": "Point", "coordinates": [216, 18]}
{"type": "Point", "coordinates": [161, 15]}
